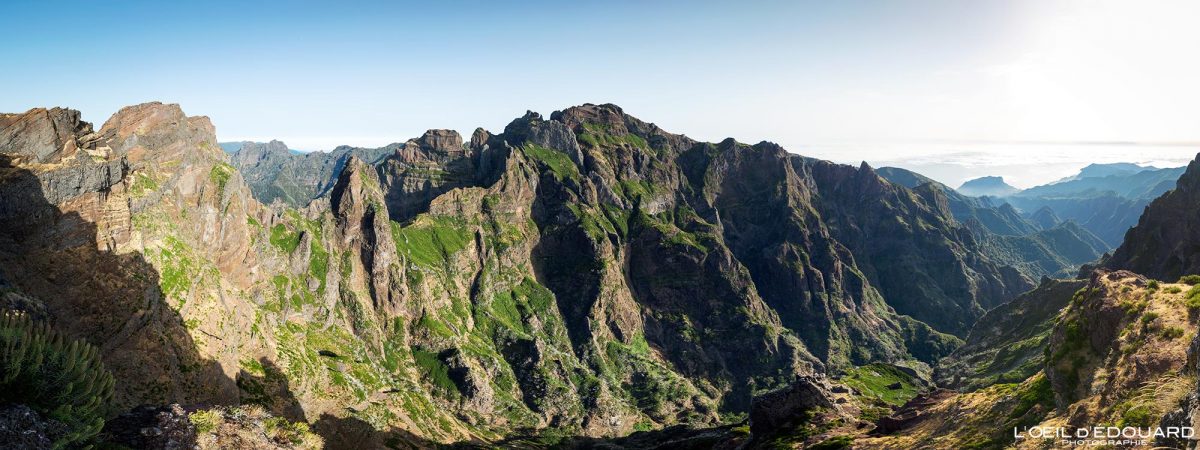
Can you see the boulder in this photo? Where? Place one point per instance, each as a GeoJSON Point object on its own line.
{"type": "Point", "coordinates": [773, 410]}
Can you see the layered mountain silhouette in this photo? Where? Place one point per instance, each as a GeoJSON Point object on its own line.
{"type": "Point", "coordinates": [1105, 199]}
{"type": "Point", "coordinates": [1036, 248]}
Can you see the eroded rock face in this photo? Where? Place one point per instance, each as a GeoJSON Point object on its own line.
{"type": "Point", "coordinates": [424, 168]}
{"type": "Point", "coordinates": [42, 135]}
{"type": "Point", "coordinates": [590, 272]}
{"type": "Point", "coordinates": [1163, 243]}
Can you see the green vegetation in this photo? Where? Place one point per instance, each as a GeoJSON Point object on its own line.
{"type": "Point", "coordinates": [284, 239]}
{"type": "Point", "coordinates": [431, 240]}
{"type": "Point", "coordinates": [525, 299]}
{"type": "Point", "coordinates": [1190, 280]}
{"type": "Point", "coordinates": [883, 382]}
{"type": "Point", "coordinates": [206, 420]}
{"type": "Point", "coordinates": [1071, 354]}
{"type": "Point", "coordinates": [597, 226]}
{"type": "Point", "coordinates": [1140, 416]}
{"type": "Point", "coordinates": [143, 184]}
{"type": "Point", "coordinates": [799, 431]}
{"type": "Point", "coordinates": [597, 135]}
{"type": "Point", "coordinates": [220, 174]}
{"type": "Point", "coordinates": [634, 189]}
{"type": "Point", "coordinates": [1192, 297]}
{"type": "Point", "coordinates": [559, 163]}
{"type": "Point", "coordinates": [1035, 393]}
{"type": "Point", "coordinates": [434, 370]}
{"type": "Point", "coordinates": [1172, 289]}
{"type": "Point", "coordinates": [179, 269]}
{"type": "Point", "coordinates": [318, 264]}
{"type": "Point", "coordinates": [60, 378]}
{"type": "Point", "coordinates": [674, 235]}
{"type": "Point", "coordinates": [1172, 333]}
{"type": "Point", "coordinates": [284, 431]}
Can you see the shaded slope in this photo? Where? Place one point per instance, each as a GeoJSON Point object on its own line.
{"type": "Point", "coordinates": [1164, 244]}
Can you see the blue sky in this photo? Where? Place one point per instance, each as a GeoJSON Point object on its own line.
{"type": "Point", "coordinates": [318, 74]}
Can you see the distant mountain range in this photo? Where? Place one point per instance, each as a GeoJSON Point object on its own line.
{"type": "Point", "coordinates": [275, 172]}
{"type": "Point", "coordinates": [1047, 247]}
{"type": "Point", "coordinates": [233, 147]}
{"type": "Point", "coordinates": [1105, 199]}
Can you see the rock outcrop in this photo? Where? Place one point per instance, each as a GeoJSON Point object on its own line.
{"type": "Point", "coordinates": [42, 135]}
{"type": "Point", "coordinates": [771, 412]}
{"type": "Point", "coordinates": [1164, 243]}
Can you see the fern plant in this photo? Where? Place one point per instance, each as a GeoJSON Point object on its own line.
{"type": "Point", "coordinates": [63, 379]}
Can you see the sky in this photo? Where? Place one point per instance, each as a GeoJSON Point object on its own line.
{"type": "Point", "coordinates": [891, 82]}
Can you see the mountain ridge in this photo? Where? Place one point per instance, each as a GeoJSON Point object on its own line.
{"type": "Point", "coordinates": [588, 274]}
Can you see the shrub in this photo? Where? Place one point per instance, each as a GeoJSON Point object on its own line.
{"type": "Point", "coordinates": [206, 421]}
{"type": "Point", "coordinates": [1172, 289]}
{"type": "Point", "coordinates": [1152, 285]}
{"type": "Point", "coordinates": [1172, 332]}
{"type": "Point", "coordinates": [1149, 317]}
{"type": "Point", "coordinates": [283, 431]}
{"type": "Point", "coordinates": [63, 379]}
{"type": "Point", "coordinates": [1190, 279]}
{"type": "Point", "coordinates": [1192, 297]}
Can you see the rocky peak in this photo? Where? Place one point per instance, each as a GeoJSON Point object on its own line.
{"type": "Point", "coordinates": [551, 134]}
{"type": "Point", "coordinates": [140, 119]}
{"type": "Point", "coordinates": [480, 138]}
{"type": "Point", "coordinates": [363, 227]}
{"type": "Point", "coordinates": [609, 116]}
{"type": "Point", "coordinates": [444, 141]}
{"type": "Point", "coordinates": [275, 146]}
{"type": "Point", "coordinates": [438, 147]}
{"type": "Point", "coordinates": [163, 127]}
{"type": "Point", "coordinates": [520, 125]}
{"type": "Point", "coordinates": [43, 135]}
{"type": "Point", "coordinates": [356, 187]}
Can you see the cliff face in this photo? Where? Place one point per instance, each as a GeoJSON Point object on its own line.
{"type": "Point", "coordinates": [590, 272]}
{"type": "Point", "coordinates": [1164, 243]}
